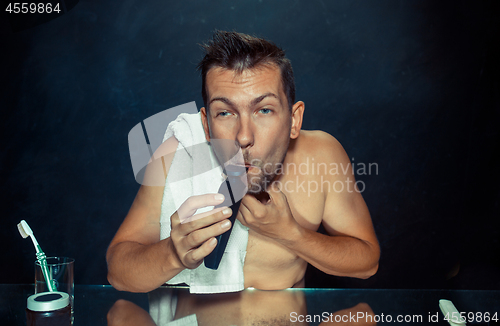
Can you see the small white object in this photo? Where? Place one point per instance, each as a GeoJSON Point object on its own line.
{"type": "Point", "coordinates": [451, 313]}
{"type": "Point", "coordinates": [48, 301]}
{"type": "Point", "coordinates": [24, 229]}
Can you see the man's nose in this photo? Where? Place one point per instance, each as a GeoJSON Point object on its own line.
{"type": "Point", "coordinates": [245, 135]}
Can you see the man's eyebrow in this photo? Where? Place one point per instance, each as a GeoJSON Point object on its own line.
{"type": "Point", "coordinates": [259, 99]}
{"type": "Point", "coordinates": [224, 100]}
{"type": "Point", "coordinates": [254, 102]}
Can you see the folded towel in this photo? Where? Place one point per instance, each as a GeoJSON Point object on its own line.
{"type": "Point", "coordinates": [195, 157]}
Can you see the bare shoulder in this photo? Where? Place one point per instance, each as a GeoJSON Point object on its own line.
{"type": "Point", "coordinates": [159, 164]}
{"type": "Point", "coordinates": [167, 147]}
{"type": "Point", "coordinates": [320, 145]}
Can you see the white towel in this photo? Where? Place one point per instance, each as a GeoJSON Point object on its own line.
{"type": "Point", "coordinates": [194, 156]}
{"type": "Point", "coordinates": [162, 307]}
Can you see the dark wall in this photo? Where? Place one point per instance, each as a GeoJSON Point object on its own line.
{"type": "Point", "coordinates": [412, 86]}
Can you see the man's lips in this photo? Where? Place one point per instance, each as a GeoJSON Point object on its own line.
{"type": "Point", "coordinates": [249, 167]}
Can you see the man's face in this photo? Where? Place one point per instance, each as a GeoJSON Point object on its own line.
{"type": "Point", "coordinates": [250, 108]}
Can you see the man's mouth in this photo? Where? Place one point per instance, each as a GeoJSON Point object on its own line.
{"type": "Point", "coordinates": [249, 166]}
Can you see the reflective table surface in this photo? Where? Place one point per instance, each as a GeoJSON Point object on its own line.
{"type": "Point", "coordinates": [95, 303]}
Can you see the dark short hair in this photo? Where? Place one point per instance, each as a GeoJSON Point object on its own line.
{"type": "Point", "coordinates": [238, 52]}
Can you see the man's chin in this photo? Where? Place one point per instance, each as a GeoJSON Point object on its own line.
{"type": "Point", "coordinates": [254, 190]}
{"type": "Point", "coordinates": [262, 196]}
{"type": "Point", "coordinates": [257, 185]}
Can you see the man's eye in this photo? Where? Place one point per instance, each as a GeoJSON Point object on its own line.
{"type": "Point", "coordinates": [265, 111]}
{"type": "Point", "coordinates": [223, 114]}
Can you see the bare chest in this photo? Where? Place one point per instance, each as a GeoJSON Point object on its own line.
{"type": "Point", "coordinates": [268, 264]}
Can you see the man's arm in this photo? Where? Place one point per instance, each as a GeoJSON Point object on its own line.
{"type": "Point", "coordinates": [350, 249]}
{"type": "Point", "coordinates": [347, 220]}
{"type": "Point", "coordinates": [137, 260]}
{"type": "Point", "coordinates": [354, 252]}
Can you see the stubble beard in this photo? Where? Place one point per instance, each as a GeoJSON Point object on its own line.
{"type": "Point", "coordinates": [267, 174]}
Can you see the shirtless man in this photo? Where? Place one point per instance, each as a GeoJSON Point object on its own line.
{"type": "Point", "coordinates": [249, 98]}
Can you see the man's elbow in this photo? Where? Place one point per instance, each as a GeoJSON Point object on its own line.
{"type": "Point", "coordinates": [369, 273]}
{"type": "Point", "coordinates": [113, 283]}
{"type": "Point", "coordinates": [362, 274]}
{"type": "Point", "coordinates": [372, 267]}
{"type": "Point", "coordinates": [113, 273]}
{"type": "Point", "coordinates": [112, 279]}
{"type": "Point", "coordinates": [372, 270]}
{"type": "Point", "coordinates": [123, 286]}
{"type": "Point", "coordinates": [375, 257]}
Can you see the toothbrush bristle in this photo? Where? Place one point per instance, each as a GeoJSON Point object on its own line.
{"type": "Point", "coordinates": [22, 227]}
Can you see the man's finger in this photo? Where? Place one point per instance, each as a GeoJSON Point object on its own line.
{"type": "Point", "coordinates": [201, 215]}
{"type": "Point", "coordinates": [250, 202]}
{"type": "Point", "coordinates": [244, 214]}
{"type": "Point", "coordinates": [252, 209]}
{"type": "Point", "coordinates": [174, 219]}
{"type": "Point", "coordinates": [216, 214]}
{"type": "Point", "coordinates": [240, 217]}
{"type": "Point", "coordinates": [198, 237]}
{"type": "Point", "coordinates": [193, 203]}
{"type": "Point", "coordinates": [277, 197]}
{"type": "Point", "coordinates": [195, 256]}
{"type": "Point", "coordinates": [275, 193]}
{"type": "Point", "coordinates": [207, 219]}
{"type": "Point", "coordinates": [254, 206]}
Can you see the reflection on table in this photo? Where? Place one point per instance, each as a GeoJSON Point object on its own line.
{"type": "Point", "coordinates": [94, 303]}
{"type": "Point", "coordinates": [250, 307]}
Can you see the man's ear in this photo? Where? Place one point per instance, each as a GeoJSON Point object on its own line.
{"type": "Point", "coordinates": [297, 116]}
{"type": "Point", "coordinates": [204, 121]}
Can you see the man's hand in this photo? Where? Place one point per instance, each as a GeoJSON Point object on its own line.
{"type": "Point", "coordinates": [273, 218]}
{"type": "Point", "coordinates": [193, 236]}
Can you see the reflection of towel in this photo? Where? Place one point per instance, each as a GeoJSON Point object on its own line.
{"type": "Point", "coordinates": [166, 299]}
{"type": "Point", "coordinates": [188, 130]}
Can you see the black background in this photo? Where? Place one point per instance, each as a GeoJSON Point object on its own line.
{"type": "Point", "coordinates": [410, 85]}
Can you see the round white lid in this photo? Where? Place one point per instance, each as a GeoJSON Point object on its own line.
{"type": "Point", "coordinates": [48, 301]}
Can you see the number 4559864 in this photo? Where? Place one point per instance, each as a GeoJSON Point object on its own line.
{"type": "Point", "coordinates": [24, 8]}
{"type": "Point", "coordinates": [471, 317]}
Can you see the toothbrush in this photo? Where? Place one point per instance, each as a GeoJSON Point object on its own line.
{"type": "Point", "coordinates": [25, 231]}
